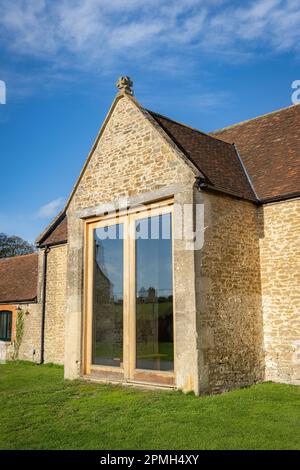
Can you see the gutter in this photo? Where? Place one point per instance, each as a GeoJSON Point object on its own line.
{"type": "Point", "coordinates": [286, 197]}
{"type": "Point", "coordinates": [204, 185]}
{"type": "Point", "coordinates": [21, 302]}
{"type": "Point", "coordinates": [48, 245]}
{"type": "Point", "coordinates": [44, 281]}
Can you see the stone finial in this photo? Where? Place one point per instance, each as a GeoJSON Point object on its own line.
{"type": "Point", "coordinates": [125, 84]}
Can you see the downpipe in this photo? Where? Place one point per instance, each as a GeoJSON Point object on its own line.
{"type": "Point", "coordinates": [46, 251]}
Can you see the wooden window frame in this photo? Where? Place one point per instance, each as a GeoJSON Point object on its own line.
{"type": "Point", "coordinates": [7, 339]}
{"type": "Point", "coordinates": [128, 372]}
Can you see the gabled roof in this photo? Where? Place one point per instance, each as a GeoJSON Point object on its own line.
{"type": "Point", "coordinates": [19, 279]}
{"type": "Point", "coordinates": [270, 149]}
{"type": "Point", "coordinates": [56, 233]}
{"type": "Point", "coordinates": [263, 165]}
{"type": "Point", "coordinates": [216, 159]}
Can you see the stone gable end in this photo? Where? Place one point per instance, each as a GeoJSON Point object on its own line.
{"type": "Point", "coordinates": [131, 157]}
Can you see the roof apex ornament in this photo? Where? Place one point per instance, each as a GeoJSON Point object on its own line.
{"type": "Point", "coordinates": [125, 85]}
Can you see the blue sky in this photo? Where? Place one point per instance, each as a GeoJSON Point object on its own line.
{"type": "Point", "coordinates": [206, 63]}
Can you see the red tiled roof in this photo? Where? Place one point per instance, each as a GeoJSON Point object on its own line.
{"type": "Point", "coordinates": [269, 146]}
{"type": "Point", "coordinates": [216, 159]}
{"type": "Point", "coordinates": [19, 279]}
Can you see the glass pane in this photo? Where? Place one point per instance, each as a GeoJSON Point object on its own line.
{"type": "Point", "coordinates": [2, 326]}
{"type": "Point", "coordinates": [108, 296]}
{"type": "Point", "coordinates": [154, 293]}
{"type": "Point", "coordinates": [9, 321]}
{"type": "Point", "coordinates": [5, 325]}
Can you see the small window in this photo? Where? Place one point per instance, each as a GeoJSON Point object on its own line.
{"type": "Point", "coordinates": [5, 325]}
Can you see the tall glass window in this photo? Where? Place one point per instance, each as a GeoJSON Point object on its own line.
{"type": "Point", "coordinates": [107, 345]}
{"type": "Point", "coordinates": [154, 293]}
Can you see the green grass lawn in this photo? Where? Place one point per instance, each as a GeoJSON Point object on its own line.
{"type": "Point", "coordinates": [39, 410]}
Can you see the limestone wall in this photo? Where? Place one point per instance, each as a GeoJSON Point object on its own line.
{"type": "Point", "coordinates": [130, 158]}
{"type": "Point", "coordinates": [31, 343]}
{"type": "Point", "coordinates": [280, 271]}
{"type": "Point", "coordinates": [228, 287]}
{"type": "Point", "coordinates": [56, 304]}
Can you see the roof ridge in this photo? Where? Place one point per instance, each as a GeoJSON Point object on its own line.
{"type": "Point", "coordinates": [186, 125]}
{"type": "Point", "coordinates": [262, 116]}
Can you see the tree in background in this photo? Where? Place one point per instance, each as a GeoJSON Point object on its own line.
{"type": "Point", "coordinates": [14, 246]}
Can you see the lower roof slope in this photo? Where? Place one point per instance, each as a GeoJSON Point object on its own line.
{"type": "Point", "coordinates": [270, 149]}
{"type": "Point", "coordinates": [56, 233]}
{"type": "Point", "coordinates": [19, 279]}
{"type": "Point", "coordinates": [216, 159]}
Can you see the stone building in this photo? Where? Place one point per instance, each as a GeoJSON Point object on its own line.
{"type": "Point", "coordinates": [226, 302]}
{"type": "Point", "coordinates": [19, 297]}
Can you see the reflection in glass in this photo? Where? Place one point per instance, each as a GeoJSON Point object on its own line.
{"type": "Point", "coordinates": [154, 293]}
{"type": "Point", "coordinates": [107, 347]}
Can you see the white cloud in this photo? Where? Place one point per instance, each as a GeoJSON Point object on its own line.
{"type": "Point", "coordinates": [97, 33]}
{"type": "Point", "coordinates": [78, 40]}
{"type": "Point", "coordinates": [50, 209]}
{"type": "Point", "coordinates": [261, 24]}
